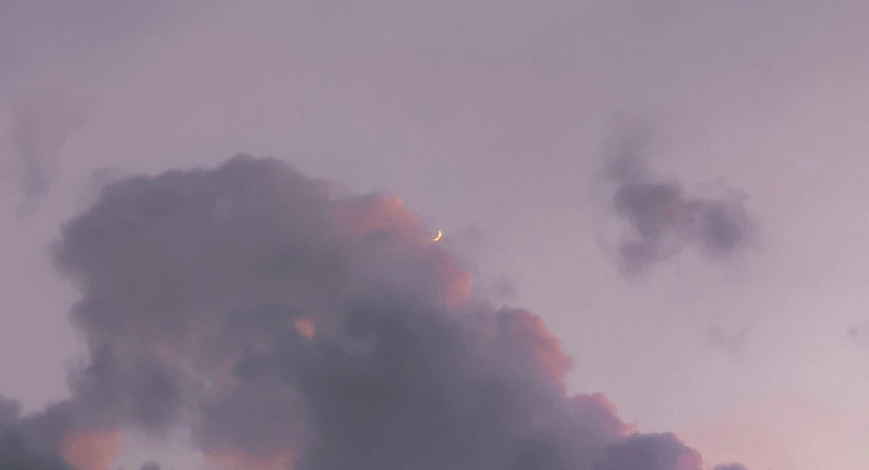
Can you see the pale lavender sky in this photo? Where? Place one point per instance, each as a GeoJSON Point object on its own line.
{"type": "Point", "coordinates": [493, 115]}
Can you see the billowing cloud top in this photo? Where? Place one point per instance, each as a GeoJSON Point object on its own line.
{"type": "Point", "coordinates": [283, 326]}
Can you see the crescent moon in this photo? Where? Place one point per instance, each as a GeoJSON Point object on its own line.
{"type": "Point", "coordinates": [437, 237]}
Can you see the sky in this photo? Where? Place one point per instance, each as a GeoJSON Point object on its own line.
{"type": "Point", "coordinates": [716, 291]}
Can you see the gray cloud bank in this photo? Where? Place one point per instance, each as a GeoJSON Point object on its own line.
{"type": "Point", "coordinates": [286, 327]}
{"type": "Point", "coordinates": [662, 218]}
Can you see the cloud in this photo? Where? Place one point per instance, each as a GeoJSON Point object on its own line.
{"type": "Point", "coordinates": [41, 124]}
{"type": "Point", "coordinates": [504, 288]}
{"type": "Point", "coordinates": [728, 342]}
{"type": "Point", "coordinates": [859, 333]}
{"type": "Point", "coordinates": [91, 450]}
{"type": "Point", "coordinates": [10, 410]}
{"type": "Point", "coordinates": [732, 466]}
{"type": "Point", "coordinates": [16, 455]}
{"type": "Point", "coordinates": [659, 218]}
{"type": "Point", "coordinates": [651, 452]}
{"type": "Point", "coordinates": [19, 448]}
{"type": "Point", "coordinates": [282, 325]}
{"type": "Point", "coordinates": [99, 179]}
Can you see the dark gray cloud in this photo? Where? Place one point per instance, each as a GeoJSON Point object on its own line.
{"type": "Point", "coordinates": [41, 124]}
{"type": "Point", "coordinates": [30, 443]}
{"type": "Point", "coordinates": [660, 217]}
{"type": "Point", "coordinates": [731, 466]}
{"type": "Point", "coordinates": [99, 179]}
{"type": "Point", "coordinates": [150, 466]}
{"type": "Point", "coordinates": [16, 455]}
{"type": "Point", "coordinates": [10, 410]}
{"type": "Point", "coordinates": [650, 452]}
{"type": "Point", "coordinates": [282, 325]}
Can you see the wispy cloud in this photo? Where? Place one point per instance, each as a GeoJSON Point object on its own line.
{"type": "Point", "coordinates": [660, 218]}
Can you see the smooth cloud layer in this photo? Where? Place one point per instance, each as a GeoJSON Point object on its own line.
{"type": "Point", "coordinates": [285, 327]}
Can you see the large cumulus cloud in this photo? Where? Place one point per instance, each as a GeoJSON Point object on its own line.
{"type": "Point", "coordinates": [284, 326]}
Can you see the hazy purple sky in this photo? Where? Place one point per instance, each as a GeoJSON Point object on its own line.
{"type": "Point", "coordinates": [490, 119]}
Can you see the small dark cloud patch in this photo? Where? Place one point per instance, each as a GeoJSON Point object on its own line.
{"type": "Point", "coordinates": [41, 124]}
{"type": "Point", "coordinates": [660, 218]}
{"type": "Point", "coordinates": [730, 342]}
{"type": "Point", "coordinates": [504, 288]}
{"type": "Point", "coordinates": [731, 466]}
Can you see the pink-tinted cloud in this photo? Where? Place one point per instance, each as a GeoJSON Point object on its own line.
{"type": "Point", "coordinates": [230, 459]}
{"type": "Point", "coordinates": [91, 450]}
{"type": "Point", "coordinates": [283, 326]}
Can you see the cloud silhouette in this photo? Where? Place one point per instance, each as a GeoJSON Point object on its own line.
{"type": "Point", "coordinates": [41, 124]}
{"type": "Point", "coordinates": [285, 327]}
{"type": "Point", "coordinates": [660, 218]}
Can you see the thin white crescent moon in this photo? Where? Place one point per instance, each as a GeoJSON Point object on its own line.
{"type": "Point", "coordinates": [437, 237]}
